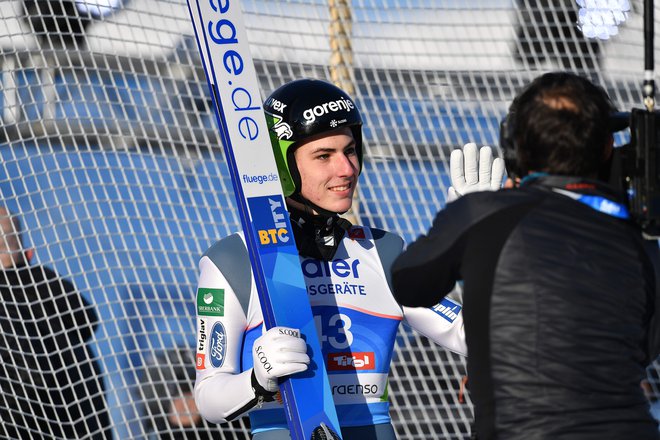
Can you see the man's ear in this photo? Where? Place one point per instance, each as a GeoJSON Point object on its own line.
{"type": "Point", "coordinates": [512, 183]}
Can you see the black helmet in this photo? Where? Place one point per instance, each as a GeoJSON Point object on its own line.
{"type": "Point", "coordinates": [301, 109]}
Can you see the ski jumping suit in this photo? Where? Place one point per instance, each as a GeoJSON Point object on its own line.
{"type": "Point", "coordinates": [357, 320]}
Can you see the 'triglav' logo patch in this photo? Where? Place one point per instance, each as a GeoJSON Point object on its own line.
{"type": "Point", "coordinates": [210, 302]}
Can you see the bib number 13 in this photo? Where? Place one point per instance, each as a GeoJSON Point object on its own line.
{"type": "Point", "coordinates": [335, 330]}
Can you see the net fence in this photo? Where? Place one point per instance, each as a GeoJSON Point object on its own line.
{"type": "Point", "coordinates": [111, 160]}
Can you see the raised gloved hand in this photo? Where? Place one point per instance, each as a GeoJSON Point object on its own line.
{"type": "Point", "coordinates": [278, 352]}
{"type": "Point", "coordinates": [470, 173]}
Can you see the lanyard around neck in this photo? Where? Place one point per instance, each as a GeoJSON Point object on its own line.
{"type": "Point", "coordinates": [599, 203]}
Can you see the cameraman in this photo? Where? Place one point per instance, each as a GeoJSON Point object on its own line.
{"type": "Point", "coordinates": [559, 293]}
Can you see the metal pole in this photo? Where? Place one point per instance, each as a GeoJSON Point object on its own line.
{"type": "Point", "coordinates": [341, 66]}
{"type": "Point", "coordinates": [341, 58]}
{"type": "Point", "coordinates": [649, 82]}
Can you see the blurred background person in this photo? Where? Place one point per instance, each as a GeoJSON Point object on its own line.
{"type": "Point", "coordinates": [168, 401]}
{"type": "Point", "coordinates": [50, 381]}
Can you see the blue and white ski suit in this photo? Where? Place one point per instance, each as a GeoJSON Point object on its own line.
{"type": "Point", "coordinates": [357, 320]}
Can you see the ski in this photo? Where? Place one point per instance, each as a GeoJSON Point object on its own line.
{"type": "Point", "coordinates": [233, 83]}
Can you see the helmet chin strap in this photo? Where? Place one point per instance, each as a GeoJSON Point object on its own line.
{"type": "Point", "coordinates": [317, 235]}
{"type": "Point", "coordinates": [310, 207]}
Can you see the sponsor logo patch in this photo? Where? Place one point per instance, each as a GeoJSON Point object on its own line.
{"type": "Point", "coordinates": [260, 179]}
{"type": "Point", "coordinates": [356, 389]}
{"type": "Point", "coordinates": [340, 105]}
{"type": "Point", "coordinates": [210, 302]}
{"type": "Point", "coordinates": [276, 105]}
{"type": "Point", "coordinates": [319, 272]}
{"type": "Point", "coordinates": [200, 358]}
{"type": "Point", "coordinates": [351, 361]}
{"type": "Point", "coordinates": [269, 217]}
{"type": "Point", "coordinates": [218, 345]}
{"type": "Point", "coordinates": [313, 268]}
{"type": "Point", "coordinates": [356, 234]}
{"type": "Point", "coordinates": [448, 309]}
{"type": "Point", "coordinates": [281, 129]}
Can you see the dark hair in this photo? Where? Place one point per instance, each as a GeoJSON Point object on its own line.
{"type": "Point", "coordinates": [560, 125]}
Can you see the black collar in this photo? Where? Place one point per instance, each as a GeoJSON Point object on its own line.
{"type": "Point", "coordinates": [318, 236]}
{"type": "Point", "coordinates": [580, 185]}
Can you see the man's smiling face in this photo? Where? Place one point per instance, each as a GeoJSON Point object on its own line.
{"type": "Point", "coordinates": [329, 169]}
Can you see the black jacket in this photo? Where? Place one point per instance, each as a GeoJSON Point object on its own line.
{"type": "Point", "coordinates": [50, 384]}
{"type": "Point", "coordinates": [560, 308]}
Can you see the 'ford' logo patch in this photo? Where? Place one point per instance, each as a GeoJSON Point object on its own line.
{"type": "Point", "coordinates": [218, 345]}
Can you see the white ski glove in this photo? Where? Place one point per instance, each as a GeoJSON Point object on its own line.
{"type": "Point", "coordinates": [470, 173]}
{"type": "Point", "coordinates": [278, 352]}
